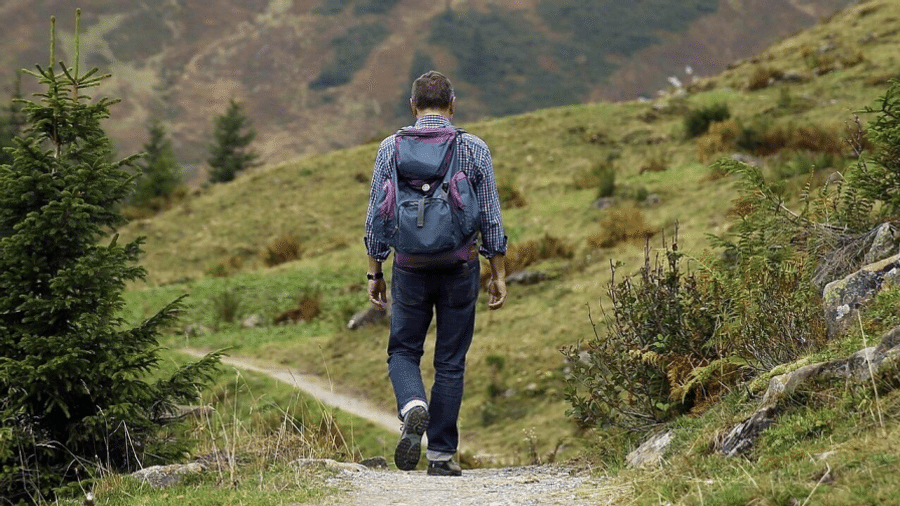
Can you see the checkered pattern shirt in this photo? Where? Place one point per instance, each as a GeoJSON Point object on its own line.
{"type": "Point", "coordinates": [475, 161]}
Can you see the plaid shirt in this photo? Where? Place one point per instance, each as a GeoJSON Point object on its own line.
{"type": "Point", "coordinates": [475, 161]}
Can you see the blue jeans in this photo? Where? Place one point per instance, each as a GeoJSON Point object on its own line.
{"type": "Point", "coordinates": [416, 295]}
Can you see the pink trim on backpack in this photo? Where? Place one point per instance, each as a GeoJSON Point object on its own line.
{"type": "Point", "coordinates": [387, 207]}
{"type": "Point", "coordinates": [455, 198]}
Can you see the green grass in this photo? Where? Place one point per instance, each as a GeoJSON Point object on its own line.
{"type": "Point", "coordinates": [322, 200]}
{"type": "Point", "coordinates": [264, 426]}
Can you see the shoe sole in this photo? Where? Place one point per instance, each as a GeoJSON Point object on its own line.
{"type": "Point", "coordinates": [443, 472]}
{"type": "Point", "coordinates": [409, 448]}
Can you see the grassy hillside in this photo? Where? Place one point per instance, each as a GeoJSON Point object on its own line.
{"type": "Point", "coordinates": [212, 246]}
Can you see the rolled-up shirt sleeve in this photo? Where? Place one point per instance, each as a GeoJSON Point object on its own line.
{"type": "Point", "coordinates": [374, 248]}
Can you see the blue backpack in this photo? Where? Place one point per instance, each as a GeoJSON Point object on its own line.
{"type": "Point", "coordinates": [427, 211]}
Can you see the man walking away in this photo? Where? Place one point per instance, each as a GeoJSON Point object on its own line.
{"type": "Point", "coordinates": [428, 279]}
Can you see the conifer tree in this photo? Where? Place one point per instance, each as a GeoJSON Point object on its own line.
{"type": "Point", "coordinates": [74, 388]}
{"type": "Point", "coordinates": [230, 152]}
{"type": "Point", "coordinates": [160, 172]}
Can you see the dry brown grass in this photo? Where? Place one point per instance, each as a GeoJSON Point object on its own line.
{"type": "Point", "coordinates": [519, 256]}
{"type": "Point", "coordinates": [721, 138]}
{"type": "Point", "coordinates": [762, 77]}
{"type": "Point", "coordinates": [283, 249]}
{"type": "Point", "coordinates": [308, 307]}
{"type": "Point", "coordinates": [620, 226]}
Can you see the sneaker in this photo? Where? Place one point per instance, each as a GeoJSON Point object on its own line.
{"type": "Point", "coordinates": [409, 448]}
{"type": "Point", "coordinates": [444, 468]}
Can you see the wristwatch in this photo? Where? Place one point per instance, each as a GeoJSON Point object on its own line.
{"type": "Point", "coordinates": [377, 275]}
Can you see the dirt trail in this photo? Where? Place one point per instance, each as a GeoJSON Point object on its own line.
{"type": "Point", "coordinates": [526, 485]}
{"type": "Point", "coordinates": [316, 387]}
{"type": "Point", "coordinates": [511, 486]}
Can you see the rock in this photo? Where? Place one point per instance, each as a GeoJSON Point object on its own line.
{"type": "Point", "coordinates": [793, 76]}
{"type": "Point", "coordinates": [526, 277]}
{"type": "Point", "coordinates": [883, 245]}
{"type": "Point", "coordinates": [375, 463]}
{"type": "Point", "coordinates": [843, 297]}
{"type": "Point", "coordinates": [164, 476]}
{"type": "Point", "coordinates": [331, 465]}
{"type": "Point", "coordinates": [604, 202]}
{"type": "Point", "coordinates": [742, 436]}
{"type": "Point", "coordinates": [652, 200]}
{"type": "Point", "coordinates": [251, 321]}
{"type": "Point", "coordinates": [747, 159]}
{"type": "Point", "coordinates": [370, 315]}
{"type": "Point", "coordinates": [651, 452]}
{"type": "Point", "coordinates": [859, 367]}
{"type": "Point", "coordinates": [195, 330]}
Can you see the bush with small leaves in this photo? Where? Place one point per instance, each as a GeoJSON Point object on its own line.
{"type": "Point", "coordinates": [697, 121]}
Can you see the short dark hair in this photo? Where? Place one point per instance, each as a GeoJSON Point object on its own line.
{"type": "Point", "coordinates": [432, 90]}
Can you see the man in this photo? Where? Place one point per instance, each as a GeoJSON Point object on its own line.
{"type": "Point", "coordinates": [450, 291]}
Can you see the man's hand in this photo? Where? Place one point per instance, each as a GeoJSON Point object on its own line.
{"type": "Point", "coordinates": [497, 288]}
{"type": "Point", "coordinates": [496, 294]}
{"type": "Point", "coordinates": [377, 290]}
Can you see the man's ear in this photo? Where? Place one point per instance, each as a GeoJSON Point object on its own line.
{"type": "Point", "coordinates": [452, 106]}
{"type": "Point", "coordinates": [412, 108]}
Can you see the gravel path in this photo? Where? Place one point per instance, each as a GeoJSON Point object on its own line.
{"type": "Point", "coordinates": [544, 485]}
{"type": "Point", "coordinates": [519, 486]}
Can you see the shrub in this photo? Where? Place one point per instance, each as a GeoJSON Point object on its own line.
{"type": "Point", "coordinates": [660, 331]}
{"type": "Point", "coordinates": [308, 307]}
{"type": "Point", "coordinates": [520, 256]}
{"type": "Point", "coordinates": [655, 164]}
{"type": "Point", "coordinates": [676, 341]}
{"type": "Point", "coordinates": [722, 138]}
{"type": "Point", "coordinates": [225, 267]}
{"type": "Point", "coordinates": [226, 306]}
{"type": "Point", "coordinates": [762, 77]}
{"type": "Point", "coordinates": [285, 248]}
{"type": "Point", "coordinates": [697, 122]}
{"type": "Point", "coordinates": [601, 175]}
{"type": "Point", "coordinates": [621, 225]}
{"type": "Point", "coordinates": [510, 196]}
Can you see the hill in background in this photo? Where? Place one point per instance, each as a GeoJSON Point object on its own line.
{"type": "Point", "coordinates": [317, 75]}
{"type": "Point", "coordinates": [791, 102]}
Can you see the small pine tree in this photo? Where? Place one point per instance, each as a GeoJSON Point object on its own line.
{"type": "Point", "coordinates": [161, 174]}
{"type": "Point", "coordinates": [230, 152]}
{"type": "Point", "coordinates": [73, 379]}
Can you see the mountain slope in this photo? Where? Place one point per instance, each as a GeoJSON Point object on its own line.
{"type": "Point", "coordinates": [546, 160]}
{"type": "Point", "coordinates": [323, 74]}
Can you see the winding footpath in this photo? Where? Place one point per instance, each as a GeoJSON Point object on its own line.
{"type": "Point", "coordinates": [509, 486]}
